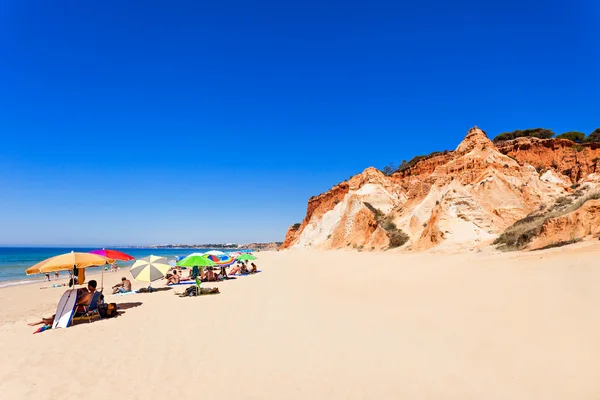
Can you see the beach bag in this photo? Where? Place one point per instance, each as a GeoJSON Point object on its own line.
{"type": "Point", "coordinates": [107, 310]}
{"type": "Point", "coordinates": [111, 310]}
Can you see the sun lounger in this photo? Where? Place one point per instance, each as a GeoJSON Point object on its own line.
{"type": "Point", "coordinates": [90, 311]}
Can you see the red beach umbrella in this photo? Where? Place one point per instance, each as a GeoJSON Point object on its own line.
{"type": "Point", "coordinates": [114, 254]}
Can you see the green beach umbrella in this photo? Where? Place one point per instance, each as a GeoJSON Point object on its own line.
{"type": "Point", "coordinates": [196, 261]}
{"type": "Point", "coordinates": [245, 257]}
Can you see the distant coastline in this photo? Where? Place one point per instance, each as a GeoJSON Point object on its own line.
{"type": "Point", "coordinates": [226, 246]}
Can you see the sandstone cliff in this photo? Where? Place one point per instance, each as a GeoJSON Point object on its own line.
{"type": "Point", "coordinates": [456, 199]}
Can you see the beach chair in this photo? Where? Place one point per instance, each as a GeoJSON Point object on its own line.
{"type": "Point", "coordinates": [90, 311]}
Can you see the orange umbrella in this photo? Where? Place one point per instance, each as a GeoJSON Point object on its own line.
{"type": "Point", "coordinates": [66, 262]}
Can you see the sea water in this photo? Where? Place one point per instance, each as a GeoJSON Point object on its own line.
{"type": "Point", "coordinates": [15, 260]}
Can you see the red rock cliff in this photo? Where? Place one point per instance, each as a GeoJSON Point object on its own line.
{"type": "Point", "coordinates": [456, 199]}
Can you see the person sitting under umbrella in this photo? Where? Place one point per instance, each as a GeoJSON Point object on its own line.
{"type": "Point", "coordinates": [234, 270]}
{"type": "Point", "coordinates": [210, 275]}
{"type": "Point", "coordinates": [123, 287]}
{"type": "Point", "coordinates": [85, 295]}
{"type": "Point", "coordinates": [244, 269]}
{"type": "Point", "coordinates": [173, 279]}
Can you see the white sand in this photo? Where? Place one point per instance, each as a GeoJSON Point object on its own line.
{"type": "Point", "coordinates": [330, 325]}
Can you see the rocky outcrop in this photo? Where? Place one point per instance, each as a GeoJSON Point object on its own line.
{"type": "Point", "coordinates": [455, 199]}
{"type": "Point", "coordinates": [575, 161]}
{"type": "Point", "coordinates": [579, 224]}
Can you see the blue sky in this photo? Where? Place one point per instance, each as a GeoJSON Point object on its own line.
{"type": "Point", "coordinates": [144, 122]}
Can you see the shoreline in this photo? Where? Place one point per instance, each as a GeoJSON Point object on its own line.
{"type": "Point", "coordinates": [65, 279]}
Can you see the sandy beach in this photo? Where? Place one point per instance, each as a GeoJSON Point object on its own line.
{"type": "Point", "coordinates": [328, 325]}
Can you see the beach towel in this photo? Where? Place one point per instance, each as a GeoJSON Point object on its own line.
{"type": "Point", "coordinates": [124, 294]}
{"type": "Point", "coordinates": [193, 291]}
{"type": "Point", "coordinates": [43, 328]}
{"type": "Point", "coordinates": [251, 273]}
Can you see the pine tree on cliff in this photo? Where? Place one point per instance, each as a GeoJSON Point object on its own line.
{"type": "Point", "coordinates": [594, 136]}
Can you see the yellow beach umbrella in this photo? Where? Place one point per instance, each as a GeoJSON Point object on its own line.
{"type": "Point", "coordinates": [150, 269]}
{"type": "Point", "coordinates": [66, 262]}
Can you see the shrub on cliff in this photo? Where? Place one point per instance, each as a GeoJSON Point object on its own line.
{"type": "Point", "coordinates": [389, 169]}
{"type": "Point", "coordinates": [577, 137]}
{"type": "Point", "coordinates": [296, 226]}
{"type": "Point", "coordinates": [539, 133]}
{"type": "Point", "coordinates": [519, 234]}
{"type": "Point", "coordinates": [397, 236]}
{"type": "Point", "coordinates": [593, 137]}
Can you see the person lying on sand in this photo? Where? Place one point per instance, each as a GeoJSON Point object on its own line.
{"type": "Point", "coordinates": [45, 321]}
{"type": "Point", "coordinates": [54, 285]}
{"type": "Point", "coordinates": [123, 287]}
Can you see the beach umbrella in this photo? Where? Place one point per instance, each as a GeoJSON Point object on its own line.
{"type": "Point", "coordinates": [245, 257]}
{"type": "Point", "coordinates": [68, 261]}
{"type": "Point", "coordinates": [198, 261]}
{"type": "Point", "coordinates": [114, 254]}
{"type": "Point", "coordinates": [216, 253]}
{"type": "Point", "coordinates": [234, 254]}
{"type": "Point", "coordinates": [150, 269]}
{"type": "Point", "coordinates": [191, 255]}
{"type": "Point", "coordinates": [220, 260]}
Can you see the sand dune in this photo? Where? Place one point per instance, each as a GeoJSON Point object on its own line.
{"type": "Point", "coordinates": [329, 325]}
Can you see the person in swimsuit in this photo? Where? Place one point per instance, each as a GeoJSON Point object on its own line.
{"type": "Point", "coordinates": [123, 287]}
{"type": "Point", "coordinates": [173, 279]}
{"type": "Point", "coordinates": [253, 270]}
{"type": "Point", "coordinates": [211, 276]}
{"type": "Point", "coordinates": [45, 321]}
{"type": "Point", "coordinates": [234, 270]}
{"type": "Point", "coordinates": [244, 269]}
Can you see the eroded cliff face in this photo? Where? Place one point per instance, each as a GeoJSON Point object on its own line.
{"type": "Point", "coordinates": [456, 200]}
{"type": "Point", "coordinates": [577, 162]}
{"type": "Point", "coordinates": [581, 223]}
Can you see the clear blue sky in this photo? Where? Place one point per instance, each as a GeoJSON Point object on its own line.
{"type": "Point", "coordinates": [137, 122]}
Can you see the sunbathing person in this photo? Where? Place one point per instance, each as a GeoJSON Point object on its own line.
{"type": "Point", "coordinates": [253, 270]}
{"type": "Point", "coordinates": [244, 269]}
{"type": "Point", "coordinates": [211, 276]}
{"type": "Point", "coordinates": [234, 270]}
{"type": "Point", "coordinates": [173, 279]}
{"type": "Point", "coordinates": [123, 287]}
{"type": "Point", "coordinates": [45, 321]}
{"type": "Point", "coordinates": [84, 295]}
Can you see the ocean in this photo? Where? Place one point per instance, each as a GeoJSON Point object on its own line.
{"type": "Point", "coordinates": [15, 260]}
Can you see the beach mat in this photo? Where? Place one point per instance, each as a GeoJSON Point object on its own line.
{"type": "Point", "coordinates": [123, 294]}
{"type": "Point", "coordinates": [237, 276]}
{"type": "Point", "coordinates": [182, 283]}
{"type": "Point", "coordinates": [193, 282]}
